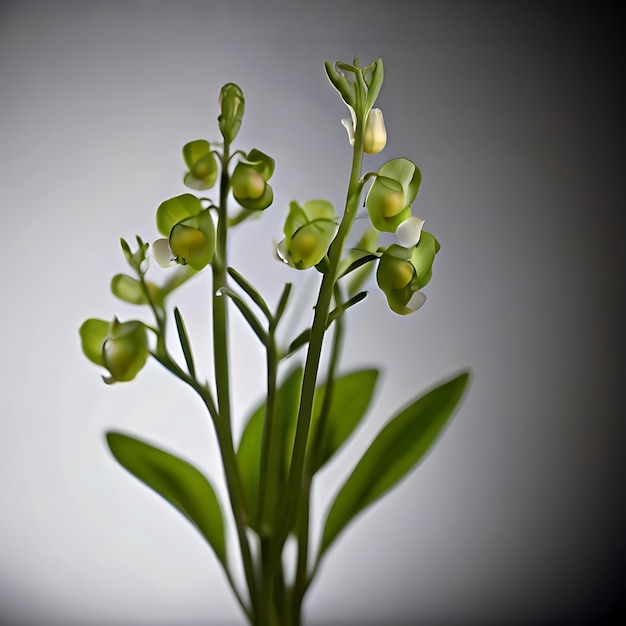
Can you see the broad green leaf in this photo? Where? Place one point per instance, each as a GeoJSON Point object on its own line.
{"type": "Point", "coordinates": [397, 449]}
{"type": "Point", "coordinates": [179, 482]}
{"type": "Point", "coordinates": [128, 289]}
{"type": "Point", "coordinates": [93, 332]}
{"type": "Point", "coordinates": [351, 397]}
{"type": "Point", "coordinates": [175, 210]}
{"type": "Point", "coordinates": [249, 452]}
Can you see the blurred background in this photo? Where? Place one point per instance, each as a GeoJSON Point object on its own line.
{"type": "Point", "coordinates": [512, 111]}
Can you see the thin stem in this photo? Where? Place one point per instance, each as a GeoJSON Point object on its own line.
{"type": "Point", "coordinates": [295, 482]}
{"type": "Point", "coordinates": [268, 476]}
{"type": "Point", "coordinates": [312, 461]}
{"type": "Point", "coordinates": [222, 380]}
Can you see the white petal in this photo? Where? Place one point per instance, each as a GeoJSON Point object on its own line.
{"type": "Point", "coordinates": [347, 124]}
{"type": "Point", "coordinates": [162, 253]}
{"type": "Point", "coordinates": [281, 252]}
{"type": "Point", "coordinates": [409, 231]}
{"type": "Point", "coordinates": [416, 301]}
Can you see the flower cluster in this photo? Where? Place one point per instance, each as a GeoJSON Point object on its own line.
{"type": "Point", "coordinates": [404, 268]}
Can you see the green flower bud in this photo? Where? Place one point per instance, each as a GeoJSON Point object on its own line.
{"type": "Point", "coordinates": [202, 165]}
{"type": "Point", "coordinates": [389, 199]}
{"type": "Point", "coordinates": [309, 231]}
{"type": "Point", "coordinates": [232, 106]}
{"type": "Point", "coordinates": [400, 279]}
{"type": "Point", "coordinates": [249, 181]}
{"type": "Point", "coordinates": [192, 240]}
{"type": "Point", "coordinates": [125, 350]}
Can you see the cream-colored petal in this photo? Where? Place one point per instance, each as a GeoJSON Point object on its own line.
{"type": "Point", "coordinates": [281, 252]}
{"type": "Point", "coordinates": [347, 124]}
{"type": "Point", "coordinates": [162, 254]}
{"type": "Point", "coordinates": [416, 301]}
{"type": "Point", "coordinates": [409, 232]}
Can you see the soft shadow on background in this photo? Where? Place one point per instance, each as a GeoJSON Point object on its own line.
{"type": "Point", "coordinates": [512, 112]}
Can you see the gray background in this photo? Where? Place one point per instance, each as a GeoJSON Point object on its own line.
{"type": "Point", "coordinates": [511, 111]}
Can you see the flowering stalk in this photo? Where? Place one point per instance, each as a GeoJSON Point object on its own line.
{"type": "Point", "coordinates": [269, 475]}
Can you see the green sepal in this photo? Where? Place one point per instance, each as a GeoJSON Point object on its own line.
{"type": "Point", "coordinates": [92, 333]}
{"type": "Point", "coordinates": [174, 210]}
{"type": "Point", "coordinates": [374, 75]}
{"type": "Point", "coordinates": [178, 482]}
{"type": "Point", "coordinates": [398, 449]}
{"type": "Point", "coordinates": [338, 80]}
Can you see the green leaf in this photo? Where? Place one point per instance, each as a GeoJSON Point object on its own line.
{"type": "Point", "coordinates": [179, 482]}
{"type": "Point", "coordinates": [249, 451]}
{"type": "Point", "coordinates": [92, 333]}
{"type": "Point", "coordinates": [175, 210]}
{"type": "Point", "coordinates": [128, 289]}
{"type": "Point", "coordinates": [397, 449]}
{"type": "Point", "coordinates": [351, 397]}
{"type": "Point", "coordinates": [184, 342]}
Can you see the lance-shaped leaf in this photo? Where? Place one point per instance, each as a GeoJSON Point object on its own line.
{"type": "Point", "coordinates": [351, 397]}
{"type": "Point", "coordinates": [397, 449]}
{"type": "Point", "coordinates": [179, 482]}
{"type": "Point", "coordinates": [249, 452]}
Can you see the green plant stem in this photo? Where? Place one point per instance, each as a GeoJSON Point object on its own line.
{"type": "Point", "coordinates": [268, 474]}
{"type": "Point", "coordinates": [296, 470]}
{"type": "Point", "coordinates": [301, 582]}
{"type": "Point", "coordinates": [222, 379]}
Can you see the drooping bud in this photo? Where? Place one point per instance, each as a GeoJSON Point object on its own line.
{"type": "Point", "coordinates": [402, 272]}
{"type": "Point", "coordinates": [125, 350]}
{"type": "Point", "coordinates": [192, 240]}
{"type": "Point", "coordinates": [389, 199]}
{"type": "Point", "coordinates": [202, 165]}
{"type": "Point", "coordinates": [232, 105]}
{"type": "Point", "coordinates": [249, 181]}
{"type": "Point", "coordinates": [309, 231]}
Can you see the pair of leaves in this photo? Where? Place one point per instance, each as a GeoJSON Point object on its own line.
{"type": "Point", "coordinates": [352, 394]}
{"type": "Point", "coordinates": [179, 482]}
{"type": "Point", "coordinates": [398, 448]}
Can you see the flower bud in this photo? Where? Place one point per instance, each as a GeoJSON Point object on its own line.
{"type": "Point", "coordinates": [192, 240]}
{"type": "Point", "coordinates": [389, 199]}
{"type": "Point", "coordinates": [125, 350]}
{"type": "Point", "coordinates": [249, 181]}
{"type": "Point", "coordinates": [232, 104]}
{"type": "Point", "coordinates": [375, 135]}
{"type": "Point", "coordinates": [202, 165]}
{"type": "Point", "coordinates": [309, 230]}
{"type": "Point", "coordinates": [397, 278]}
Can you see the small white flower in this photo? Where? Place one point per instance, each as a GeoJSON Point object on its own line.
{"type": "Point", "coordinates": [409, 232]}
